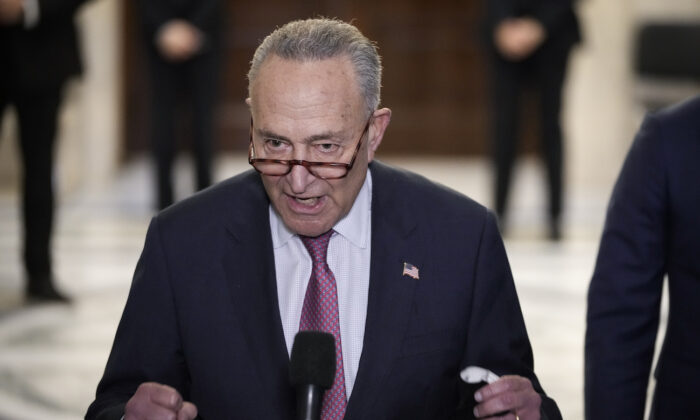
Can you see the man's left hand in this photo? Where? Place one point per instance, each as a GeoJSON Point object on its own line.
{"type": "Point", "coordinates": [11, 11]}
{"type": "Point", "coordinates": [512, 395]}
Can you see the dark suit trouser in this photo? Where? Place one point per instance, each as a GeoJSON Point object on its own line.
{"type": "Point", "coordinates": [545, 71]}
{"type": "Point", "coordinates": [37, 116]}
{"type": "Point", "coordinates": [195, 80]}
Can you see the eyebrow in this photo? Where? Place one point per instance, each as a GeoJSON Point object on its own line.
{"type": "Point", "coordinates": [321, 136]}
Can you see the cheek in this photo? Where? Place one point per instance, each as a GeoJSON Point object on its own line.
{"type": "Point", "coordinates": [345, 193]}
{"type": "Point", "coordinates": [273, 187]}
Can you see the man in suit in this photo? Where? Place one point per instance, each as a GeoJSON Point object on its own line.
{"type": "Point", "coordinates": [183, 41]}
{"type": "Point", "coordinates": [39, 50]}
{"type": "Point", "coordinates": [416, 278]}
{"type": "Point", "coordinates": [652, 231]}
{"type": "Point", "coordinates": [528, 43]}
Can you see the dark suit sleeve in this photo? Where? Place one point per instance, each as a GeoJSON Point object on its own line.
{"type": "Point", "coordinates": [497, 11]}
{"type": "Point", "coordinates": [147, 343]}
{"type": "Point", "coordinates": [496, 326]}
{"type": "Point", "coordinates": [51, 10]}
{"type": "Point", "coordinates": [154, 13]}
{"type": "Point", "coordinates": [551, 14]}
{"type": "Point", "coordinates": [625, 291]}
{"type": "Point", "coordinates": [206, 15]}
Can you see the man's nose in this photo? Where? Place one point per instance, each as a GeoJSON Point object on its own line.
{"type": "Point", "coordinates": [299, 178]}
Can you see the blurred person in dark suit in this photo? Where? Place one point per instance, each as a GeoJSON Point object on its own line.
{"type": "Point", "coordinates": [529, 42]}
{"type": "Point", "coordinates": [39, 50]}
{"type": "Point", "coordinates": [183, 40]}
{"type": "Point", "coordinates": [652, 231]}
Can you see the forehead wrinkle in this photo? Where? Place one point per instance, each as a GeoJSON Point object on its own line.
{"type": "Point", "coordinates": [306, 105]}
{"type": "Point", "coordinates": [270, 135]}
{"type": "Point", "coordinates": [298, 81]}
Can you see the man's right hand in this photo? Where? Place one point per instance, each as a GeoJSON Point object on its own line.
{"type": "Point", "coordinates": [157, 401]}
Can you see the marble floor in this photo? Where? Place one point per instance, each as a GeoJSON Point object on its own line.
{"type": "Point", "coordinates": [52, 356]}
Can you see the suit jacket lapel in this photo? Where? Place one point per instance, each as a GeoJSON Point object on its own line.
{"type": "Point", "coordinates": [250, 270]}
{"type": "Point", "coordinates": [394, 239]}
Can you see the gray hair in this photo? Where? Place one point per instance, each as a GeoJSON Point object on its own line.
{"type": "Point", "coordinates": [319, 39]}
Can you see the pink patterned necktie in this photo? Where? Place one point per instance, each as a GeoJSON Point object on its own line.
{"type": "Point", "coordinates": [320, 313]}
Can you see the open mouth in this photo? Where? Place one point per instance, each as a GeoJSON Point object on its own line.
{"type": "Point", "coordinates": [305, 204]}
{"type": "Point", "coordinates": [307, 201]}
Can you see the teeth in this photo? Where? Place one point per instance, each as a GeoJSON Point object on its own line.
{"type": "Point", "coordinates": [307, 201]}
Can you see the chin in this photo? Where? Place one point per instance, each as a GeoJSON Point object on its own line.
{"type": "Point", "coordinates": [312, 232]}
{"type": "Point", "coordinates": [308, 229]}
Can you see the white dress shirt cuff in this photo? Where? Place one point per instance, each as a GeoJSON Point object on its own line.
{"type": "Point", "coordinates": [31, 13]}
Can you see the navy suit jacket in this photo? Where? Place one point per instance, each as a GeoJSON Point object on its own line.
{"type": "Point", "coordinates": [203, 314]}
{"type": "Point", "coordinates": [652, 230]}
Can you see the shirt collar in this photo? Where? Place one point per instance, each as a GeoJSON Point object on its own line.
{"type": "Point", "coordinates": [354, 226]}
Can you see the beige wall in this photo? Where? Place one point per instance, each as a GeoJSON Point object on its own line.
{"type": "Point", "coordinates": [597, 100]}
{"type": "Point", "coordinates": [667, 9]}
{"type": "Point", "coordinates": [99, 128]}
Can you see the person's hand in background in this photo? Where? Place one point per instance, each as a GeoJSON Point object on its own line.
{"type": "Point", "coordinates": [518, 38]}
{"type": "Point", "coordinates": [178, 40]}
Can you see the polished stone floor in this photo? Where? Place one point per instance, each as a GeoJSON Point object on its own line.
{"type": "Point", "coordinates": [52, 356]}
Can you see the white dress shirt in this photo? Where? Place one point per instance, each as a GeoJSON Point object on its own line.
{"type": "Point", "coordinates": [348, 259]}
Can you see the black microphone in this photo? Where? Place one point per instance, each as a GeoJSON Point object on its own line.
{"type": "Point", "coordinates": [311, 371]}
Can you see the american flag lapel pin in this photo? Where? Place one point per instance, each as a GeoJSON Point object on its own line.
{"type": "Point", "coordinates": [410, 270]}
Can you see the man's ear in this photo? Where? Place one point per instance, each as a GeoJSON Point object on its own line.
{"type": "Point", "coordinates": [380, 121]}
{"type": "Point", "coordinates": [247, 102]}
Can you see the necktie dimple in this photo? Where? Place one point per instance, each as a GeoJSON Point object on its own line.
{"type": "Point", "coordinates": [320, 313]}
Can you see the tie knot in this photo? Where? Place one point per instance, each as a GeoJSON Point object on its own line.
{"type": "Point", "coordinates": [317, 246]}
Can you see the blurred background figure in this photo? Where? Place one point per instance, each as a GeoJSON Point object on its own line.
{"type": "Point", "coordinates": [39, 50]}
{"type": "Point", "coordinates": [651, 231]}
{"type": "Point", "coordinates": [183, 40]}
{"type": "Point", "coordinates": [529, 43]}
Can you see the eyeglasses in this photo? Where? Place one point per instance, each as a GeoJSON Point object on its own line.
{"type": "Point", "coordinates": [323, 170]}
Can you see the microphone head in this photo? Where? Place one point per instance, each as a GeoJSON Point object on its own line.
{"type": "Point", "coordinates": [313, 359]}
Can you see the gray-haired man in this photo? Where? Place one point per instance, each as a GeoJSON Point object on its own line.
{"type": "Point", "coordinates": [410, 278]}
